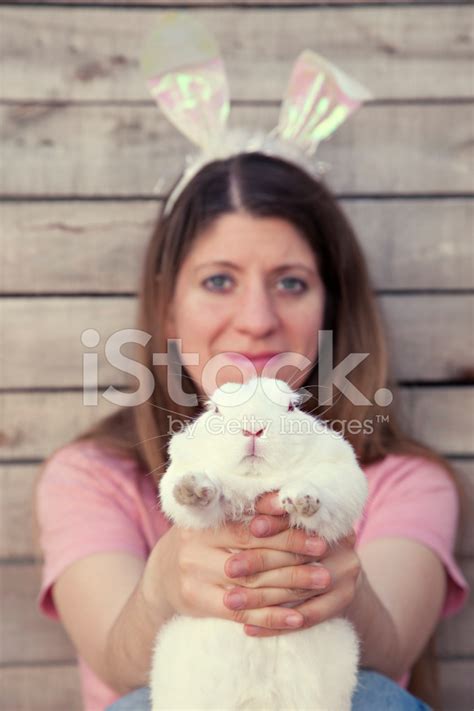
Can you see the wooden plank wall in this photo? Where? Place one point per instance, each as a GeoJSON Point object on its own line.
{"type": "Point", "coordinates": [83, 146]}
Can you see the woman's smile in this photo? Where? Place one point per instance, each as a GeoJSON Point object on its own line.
{"type": "Point", "coordinates": [250, 288]}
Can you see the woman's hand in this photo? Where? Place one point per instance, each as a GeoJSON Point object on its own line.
{"type": "Point", "coordinates": [318, 591]}
{"type": "Point", "coordinates": [189, 572]}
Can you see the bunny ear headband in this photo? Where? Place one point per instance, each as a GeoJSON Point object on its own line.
{"type": "Point", "coordinates": [187, 79]}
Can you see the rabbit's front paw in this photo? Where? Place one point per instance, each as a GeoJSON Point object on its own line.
{"type": "Point", "coordinates": [302, 501]}
{"type": "Point", "coordinates": [301, 504]}
{"type": "Point", "coordinates": [195, 490]}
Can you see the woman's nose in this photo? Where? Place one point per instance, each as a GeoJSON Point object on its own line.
{"type": "Point", "coordinates": [256, 313]}
{"type": "Point", "coordinates": [249, 433]}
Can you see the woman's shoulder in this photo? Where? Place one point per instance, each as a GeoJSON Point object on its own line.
{"type": "Point", "coordinates": [412, 469]}
{"type": "Point", "coordinates": [407, 490]}
{"type": "Point", "coordinates": [92, 452]}
{"type": "Point", "coordinates": [412, 481]}
{"type": "Point", "coordinates": [89, 463]}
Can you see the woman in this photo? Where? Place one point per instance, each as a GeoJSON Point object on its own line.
{"type": "Point", "coordinates": [255, 257]}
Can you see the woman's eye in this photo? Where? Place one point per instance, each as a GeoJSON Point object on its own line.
{"type": "Point", "coordinates": [293, 284]}
{"type": "Point", "coordinates": [218, 282]}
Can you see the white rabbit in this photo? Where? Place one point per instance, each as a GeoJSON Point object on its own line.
{"type": "Point", "coordinates": [247, 442]}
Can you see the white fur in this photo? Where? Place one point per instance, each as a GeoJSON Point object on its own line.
{"type": "Point", "coordinates": [210, 663]}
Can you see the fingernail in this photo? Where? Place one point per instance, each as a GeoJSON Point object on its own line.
{"type": "Point", "coordinates": [251, 629]}
{"type": "Point", "coordinates": [261, 527]}
{"type": "Point", "coordinates": [315, 546]}
{"type": "Point", "coordinates": [319, 578]}
{"type": "Point", "coordinates": [235, 600]}
{"type": "Point", "coordinates": [238, 567]}
{"type": "Point", "coordinates": [294, 620]}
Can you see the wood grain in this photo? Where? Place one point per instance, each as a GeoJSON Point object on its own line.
{"type": "Point", "coordinates": [97, 247]}
{"type": "Point", "coordinates": [17, 534]}
{"type": "Point", "coordinates": [431, 338]}
{"type": "Point", "coordinates": [457, 684]}
{"type": "Point", "coordinates": [17, 529]}
{"type": "Point", "coordinates": [217, 4]}
{"type": "Point", "coordinates": [412, 52]}
{"type": "Point", "coordinates": [33, 424]}
{"type": "Point", "coordinates": [455, 636]}
{"type": "Point", "coordinates": [77, 123]}
{"type": "Point", "coordinates": [465, 481]}
{"type": "Point", "coordinates": [41, 688]}
{"type": "Point", "coordinates": [61, 687]}
{"type": "Point", "coordinates": [441, 417]}
{"type": "Point", "coordinates": [426, 335]}
{"type": "Point", "coordinates": [74, 247]}
{"type": "Point", "coordinates": [48, 642]}
{"type": "Point", "coordinates": [123, 150]}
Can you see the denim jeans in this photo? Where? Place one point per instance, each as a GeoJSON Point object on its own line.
{"type": "Point", "coordinates": [374, 692]}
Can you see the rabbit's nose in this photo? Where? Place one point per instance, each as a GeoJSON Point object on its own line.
{"type": "Point", "coordinates": [248, 433]}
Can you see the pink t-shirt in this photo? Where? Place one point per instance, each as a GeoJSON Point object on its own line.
{"type": "Point", "coordinates": [89, 501]}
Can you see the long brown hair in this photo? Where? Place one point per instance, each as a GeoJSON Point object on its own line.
{"type": "Point", "coordinates": [265, 186]}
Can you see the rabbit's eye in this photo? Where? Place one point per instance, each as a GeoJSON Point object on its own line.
{"type": "Point", "coordinates": [216, 410]}
{"type": "Point", "coordinates": [291, 407]}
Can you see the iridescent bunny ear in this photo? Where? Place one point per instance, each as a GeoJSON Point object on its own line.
{"type": "Point", "coordinates": [318, 99]}
{"type": "Point", "coordinates": [186, 77]}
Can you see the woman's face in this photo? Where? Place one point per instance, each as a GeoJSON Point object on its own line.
{"type": "Point", "coordinates": [251, 286]}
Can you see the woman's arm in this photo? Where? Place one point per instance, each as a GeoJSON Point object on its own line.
{"type": "Point", "coordinates": [397, 602]}
{"type": "Point", "coordinates": [100, 602]}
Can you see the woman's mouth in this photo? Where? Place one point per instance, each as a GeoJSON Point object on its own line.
{"type": "Point", "coordinates": [258, 360]}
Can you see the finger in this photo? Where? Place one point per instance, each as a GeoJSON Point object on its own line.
{"type": "Point", "coordinates": [307, 577]}
{"type": "Point", "coordinates": [315, 610]}
{"type": "Point", "coordinates": [207, 601]}
{"type": "Point", "coordinates": [274, 618]}
{"type": "Point", "coordinates": [268, 525]}
{"type": "Point", "coordinates": [343, 565]}
{"type": "Point", "coordinates": [239, 598]}
{"type": "Point", "coordinates": [324, 607]}
{"type": "Point", "coordinates": [254, 631]}
{"type": "Point", "coordinates": [269, 504]}
{"type": "Point", "coordinates": [257, 560]}
{"type": "Point", "coordinates": [292, 540]}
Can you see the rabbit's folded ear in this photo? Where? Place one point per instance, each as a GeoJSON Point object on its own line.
{"type": "Point", "coordinates": [299, 397]}
{"type": "Point", "coordinates": [304, 394]}
{"type": "Point", "coordinates": [210, 406]}
{"type": "Point", "coordinates": [294, 401]}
